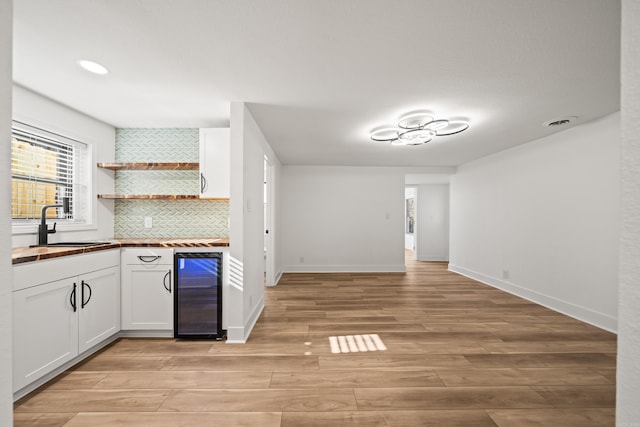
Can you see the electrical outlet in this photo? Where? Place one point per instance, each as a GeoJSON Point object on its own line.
{"type": "Point", "coordinates": [301, 260]}
{"type": "Point", "coordinates": [505, 274]}
{"type": "Point", "coordinates": [148, 222]}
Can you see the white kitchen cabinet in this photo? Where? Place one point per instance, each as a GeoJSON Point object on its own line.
{"type": "Point", "coordinates": [52, 324]}
{"type": "Point", "coordinates": [45, 330]}
{"type": "Point", "coordinates": [99, 307]}
{"type": "Point", "coordinates": [147, 289]}
{"type": "Point", "coordinates": [215, 163]}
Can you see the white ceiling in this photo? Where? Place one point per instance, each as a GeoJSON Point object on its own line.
{"type": "Point", "coordinates": [319, 74]}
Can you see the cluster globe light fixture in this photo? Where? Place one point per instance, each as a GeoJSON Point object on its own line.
{"type": "Point", "coordinates": [417, 128]}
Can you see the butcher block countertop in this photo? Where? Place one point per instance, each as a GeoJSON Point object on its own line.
{"type": "Point", "coordinates": [27, 254]}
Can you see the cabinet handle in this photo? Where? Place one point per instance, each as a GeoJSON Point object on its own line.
{"type": "Point", "coordinates": [164, 281]}
{"type": "Point", "coordinates": [149, 258]}
{"type": "Point", "coordinates": [72, 298]}
{"type": "Point", "coordinates": [203, 183]}
{"type": "Point", "coordinates": [84, 303]}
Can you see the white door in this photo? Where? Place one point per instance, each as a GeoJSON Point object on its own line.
{"type": "Point", "coordinates": [147, 300]}
{"type": "Point", "coordinates": [45, 329]}
{"type": "Point", "coordinates": [269, 266]}
{"type": "Point", "coordinates": [99, 306]}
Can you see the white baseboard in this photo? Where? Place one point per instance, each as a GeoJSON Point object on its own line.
{"type": "Point", "coordinates": [583, 314]}
{"type": "Point", "coordinates": [146, 334]}
{"type": "Point", "coordinates": [392, 268]}
{"type": "Point", "coordinates": [240, 334]}
{"type": "Point", "coordinates": [277, 279]}
{"type": "Point", "coordinates": [433, 257]}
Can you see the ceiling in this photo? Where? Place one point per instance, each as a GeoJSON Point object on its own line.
{"type": "Point", "coordinates": [318, 75]}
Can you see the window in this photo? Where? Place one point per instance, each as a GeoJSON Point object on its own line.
{"type": "Point", "coordinates": [45, 167]}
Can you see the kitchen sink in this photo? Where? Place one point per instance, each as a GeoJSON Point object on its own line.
{"type": "Point", "coordinates": [71, 244]}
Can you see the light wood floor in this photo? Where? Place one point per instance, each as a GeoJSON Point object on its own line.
{"type": "Point", "coordinates": [459, 353]}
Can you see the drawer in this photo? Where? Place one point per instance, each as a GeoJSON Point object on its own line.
{"type": "Point", "coordinates": [34, 273]}
{"type": "Point", "coordinates": [147, 256]}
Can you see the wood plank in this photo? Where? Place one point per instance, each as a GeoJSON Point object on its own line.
{"type": "Point", "coordinates": [341, 418]}
{"type": "Point", "coordinates": [353, 379]}
{"type": "Point", "coordinates": [105, 362]}
{"type": "Point", "coordinates": [153, 196]}
{"type": "Point", "coordinates": [260, 400]}
{"type": "Point", "coordinates": [173, 419]}
{"type": "Point", "coordinates": [521, 376]}
{"type": "Point", "coordinates": [94, 401]}
{"type": "Point", "coordinates": [158, 347]}
{"type": "Point", "coordinates": [583, 417]}
{"type": "Point", "coordinates": [573, 396]}
{"type": "Point", "coordinates": [77, 380]}
{"type": "Point", "coordinates": [245, 363]}
{"type": "Point", "coordinates": [594, 346]}
{"type": "Point", "coordinates": [41, 420]}
{"type": "Point", "coordinates": [149, 166]}
{"type": "Point", "coordinates": [191, 380]}
{"type": "Point", "coordinates": [435, 418]}
{"type": "Point", "coordinates": [448, 398]}
{"type": "Point", "coordinates": [381, 361]}
{"type": "Point", "coordinates": [541, 360]}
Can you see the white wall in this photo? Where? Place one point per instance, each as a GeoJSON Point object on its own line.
{"type": "Point", "coordinates": [409, 239]}
{"type": "Point", "coordinates": [342, 219]}
{"type": "Point", "coordinates": [541, 220]}
{"type": "Point", "coordinates": [6, 342]}
{"type": "Point", "coordinates": [432, 231]}
{"type": "Point", "coordinates": [248, 148]}
{"type": "Point", "coordinates": [628, 372]}
{"type": "Point", "coordinates": [38, 111]}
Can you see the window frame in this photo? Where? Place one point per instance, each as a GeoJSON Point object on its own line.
{"type": "Point", "coordinates": [88, 222]}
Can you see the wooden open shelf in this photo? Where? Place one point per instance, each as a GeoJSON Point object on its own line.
{"type": "Point", "coordinates": [157, 197]}
{"type": "Point", "coordinates": [173, 166]}
{"type": "Point", "coordinates": [149, 166]}
{"type": "Point", "coordinates": [150, 196]}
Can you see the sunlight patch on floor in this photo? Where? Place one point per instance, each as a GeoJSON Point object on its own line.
{"type": "Point", "coordinates": [356, 343]}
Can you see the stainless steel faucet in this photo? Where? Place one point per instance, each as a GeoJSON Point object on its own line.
{"type": "Point", "coordinates": [43, 230]}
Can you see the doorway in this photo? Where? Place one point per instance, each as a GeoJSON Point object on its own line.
{"type": "Point", "coordinates": [410, 220]}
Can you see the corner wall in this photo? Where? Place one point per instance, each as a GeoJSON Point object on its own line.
{"type": "Point", "coordinates": [628, 369]}
{"type": "Point", "coordinates": [6, 318]}
{"type": "Point", "coordinates": [541, 221]}
{"type": "Point", "coordinates": [248, 148]}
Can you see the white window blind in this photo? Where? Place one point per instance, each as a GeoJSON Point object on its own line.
{"type": "Point", "coordinates": [46, 167]}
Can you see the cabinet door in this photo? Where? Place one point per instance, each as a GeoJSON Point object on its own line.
{"type": "Point", "coordinates": [147, 297]}
{"type": "Point", "coordinates": [98, 306]}
{"type": "Point", "coordinates": [215, 159]}
{"type": "Point", "coordinates": [45, 329]}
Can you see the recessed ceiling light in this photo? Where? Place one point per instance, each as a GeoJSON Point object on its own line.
{"type": "Point", "coordinates": [93, 67]}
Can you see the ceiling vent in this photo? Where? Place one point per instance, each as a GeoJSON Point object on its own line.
{"type": "Point", "coordinates": [562, 121]}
